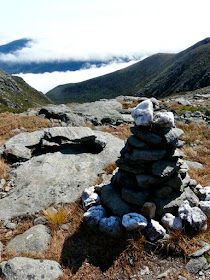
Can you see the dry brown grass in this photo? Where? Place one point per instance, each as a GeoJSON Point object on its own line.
{"type": "Point", "coordinates": [171, 105]}
{"type": "Point", "coordinates": [195, 131]}
{"type": "Point", "coordinates": [180, 243]}
{"type": "Point", "coordinates": [128, 104]}
{"type": "Point", "coordinates": [90, 125]}
{"type": "Point", "coordinates": [122, 132]}
{"type": "Point", "coordinates": [110, 168]}
{"type": "Point", "coordinates": [9, 122]}
{"type": "Point", "coordinates": [4, 169]}
{"type": "Point", "coordinates": [72, 104]}
{"type": "Point", "coordinates": [199, 153]}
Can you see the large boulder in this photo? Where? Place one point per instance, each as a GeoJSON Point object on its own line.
{"type": "Point", "coordinates": [63, 113]}
{"type": "Point", "coordinates": [21, 146]}
{"type": "Point", "coordinates": [102, 112]}
{"type": "Point", "coordinates": [58, 177]}
{"type": "Point", "coordinates": [18, 147]}
{"type": "Point", "coordinates": [20, 268]}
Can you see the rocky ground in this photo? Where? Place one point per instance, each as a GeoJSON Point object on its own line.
{"type": "Point", "coordinates": [50, 168]}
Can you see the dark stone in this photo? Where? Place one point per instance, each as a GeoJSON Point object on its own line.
{"type": "Point", "coordinates": [125, 179]}
{"type": "Point", "coordinates": [174, 182]}
{"type": "Point", "coordinates": [135, 142]}
{"type": "Point", "coordinates": [172, 203]}
{"type": "Point", "coordinates": [126, 165]}
{"type": "Point", "coordinates": [163, 192]}
{"type": "Point", "coordinates": [171, 137]}
{"type": "Point", "coordinates": [135, 197]}
{"type": "Point", "coordinates": [163, 168]}
{"type": "Point", "coordinates": [147, 155]}
{"type": "Point", "coordinates": [145, 181]}
{"type": "Point", "coordinates": [149, 138]}
{"type": "Point", "coordinates": [113, 200]}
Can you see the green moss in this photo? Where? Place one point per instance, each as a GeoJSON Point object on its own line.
{"type": "Point", "coordinates": [182, 110]}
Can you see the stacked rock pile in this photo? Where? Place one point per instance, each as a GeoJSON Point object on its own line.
{"type": "Point", "coordinates": [151, 182]}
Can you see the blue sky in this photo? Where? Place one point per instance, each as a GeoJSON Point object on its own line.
{"type": "Point", "coordinates": [87, 29]}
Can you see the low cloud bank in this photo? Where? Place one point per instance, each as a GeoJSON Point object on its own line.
{"type": "Point", "coordinates": [47, 81]}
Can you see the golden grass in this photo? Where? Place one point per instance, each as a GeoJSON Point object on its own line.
{"type": "Point", "coordinates": [57, 217]}
{"type": "Point", "coordinates": [122, 132]}
{"type": "Point", "coordinates": [9, 122]}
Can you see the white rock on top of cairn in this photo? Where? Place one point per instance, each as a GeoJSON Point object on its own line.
{"type": "Point", "coordinates": [143, 113]}
{"type": "Point", "coordinates": [134, 221]}
{"type": "Point", "coordinates": [164, 119]}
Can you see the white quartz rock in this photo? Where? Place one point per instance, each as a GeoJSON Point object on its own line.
{"type": "Point", "coordinates": [164, 119]}
{"type": "Point", "coordinates": [94, 215]}
{"type": "Point", "coordinates": [90, 198]}
{"type": "Point", "coordinates": [205, 206]}
{"type": "Point", "coordinates": [143, 113]}
{"type": "Point", "coordinates": [204, 193]}
{"type": "Point", "coordinates": [134, 221]}
{"type": "Point", "coordinates": [194, 216]}
{"type": "Point", "coordinates": [155, 231]}
{"type": "Point", "coordinates": [171, 222]}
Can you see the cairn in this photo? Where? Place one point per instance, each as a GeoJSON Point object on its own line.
{"type": "Point", "coordinates": [151, 180]}
{"type": "Point", "coordinates": [151, 170]}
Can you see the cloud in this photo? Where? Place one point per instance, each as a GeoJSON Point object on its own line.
{"type": "Point", "coordinates": [85, 30]}
{"type": "Point", "coordinates": [47, 81]}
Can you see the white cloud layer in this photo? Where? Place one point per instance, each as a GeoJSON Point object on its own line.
{"type": "Point", "coordinates": [69, 29]}
{"type": "Point", "coordinates": [47, 81]}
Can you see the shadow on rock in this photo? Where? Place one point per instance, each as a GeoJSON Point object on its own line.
{"type": "Point", "coordinates": [88, 244]}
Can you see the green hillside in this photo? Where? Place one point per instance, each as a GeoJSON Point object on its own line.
{"type": "Point", "coordinates": [17, 96]}
{"type": "Point", "coordinates": [158, 75]}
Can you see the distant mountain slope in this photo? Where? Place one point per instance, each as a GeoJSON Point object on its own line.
{"type": "Point", "coordinates": [158, 75]}
{"type": "Point", "coordinates": [14, 46]}
{"type": "Point", "coordinates": [17, 95]}
{"type": "Point", "coordinates": [111, 85]}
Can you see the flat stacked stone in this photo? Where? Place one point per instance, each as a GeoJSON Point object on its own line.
{"type": "Point", "coordinates": [150, 165]}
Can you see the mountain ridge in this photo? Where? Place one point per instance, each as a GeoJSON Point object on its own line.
{"type": "Point", "coordinates": [158, 75]}
{"type": "Point", "coordinates": [16, 95]}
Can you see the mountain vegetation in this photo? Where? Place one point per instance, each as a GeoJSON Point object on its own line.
{"type": "Point", "coordinates": [16, 95]}
{"type": "Point", "coordinates": [158, 75]}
